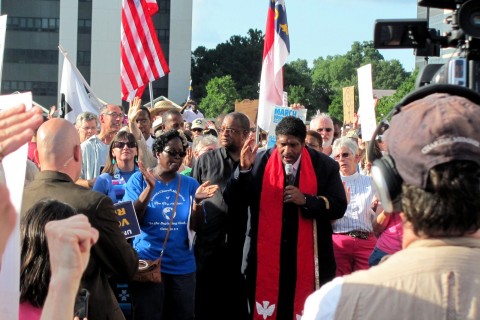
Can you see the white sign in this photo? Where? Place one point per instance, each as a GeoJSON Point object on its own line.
{"type": "Point", "coordinates": [14, 166]}
{"type": "Point", "coordinates": [366, 111]}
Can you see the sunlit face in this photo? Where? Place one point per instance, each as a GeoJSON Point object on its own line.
{"type": "Point", "coordinates": [144, 124]}
{"type": "Point", "coordinates": [232, 136]}
{"type": "Point", "coordinates": [87, 129]}
{"type": "Point", "coordinates": [173, 121]}
{"type": "Point", "coordinates": [313, 143]}
{"type": "Point", "coordinates": [346, 160]}
{"type": "Point", "coordinates": [324, 126]}
{"type": "Point", "coordinates": [289, 148]}
{"type": "Point", "coordinates": [124, 151]}
{"type": "Point", "coordinates": [171, 158]}
{"type": "Point", "coordinates": [112, 120]}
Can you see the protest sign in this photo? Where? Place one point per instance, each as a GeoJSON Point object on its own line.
{"type": "Point", "coordinates": [127, 219]}
{"type": "Point", "coordinates": [278, 114]}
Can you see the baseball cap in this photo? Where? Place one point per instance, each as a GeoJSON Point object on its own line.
{"type": "Point", "coordinates": [434, 130]}
{"type": "Point", "coordinates": [199, 123]}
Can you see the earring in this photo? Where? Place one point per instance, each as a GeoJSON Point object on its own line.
{"type": "Point", "coordinates": [114, 161]}
{"type": "Point", "coordinates": [135, 159]}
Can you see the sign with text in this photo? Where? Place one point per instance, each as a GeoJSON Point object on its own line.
{"type": "Point", "coordinates": [278, 114]}
{"type": "Point", "coordinates": [127, 219]}
{"type": "Point", "coordinates": [348, 104]}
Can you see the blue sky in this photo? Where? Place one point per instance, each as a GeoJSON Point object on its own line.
{"type": "Point", "coordinates": [318, 28]}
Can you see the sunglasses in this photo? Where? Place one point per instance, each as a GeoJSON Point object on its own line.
{"type": "Point", "coordinates": [325, 129]}
{"type": "Point", "coordinates": [121, 144]}
{"type": "Point", "coordinates": [174, 153]}
{"type": "Point", "coordinates": [344, 155]}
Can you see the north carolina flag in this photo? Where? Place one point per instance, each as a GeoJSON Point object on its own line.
{"type": "Point", "coordinates": [142, 56]}
{"type": "Point", "coordinates": [275, 53]}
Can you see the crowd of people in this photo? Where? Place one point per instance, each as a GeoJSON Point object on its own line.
{"type": "Point", "coordinates": [312, 228]}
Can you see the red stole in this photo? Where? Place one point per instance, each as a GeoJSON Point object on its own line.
{"type": "Point", "coordinates": [269, 238]}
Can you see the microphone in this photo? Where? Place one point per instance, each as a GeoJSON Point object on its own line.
{"type": "Point", "coordinates": [289, 178]}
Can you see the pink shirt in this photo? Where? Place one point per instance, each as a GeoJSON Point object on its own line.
{"type": "Point", "coordinates": [390, 240]}
{"type": "Point", "coordinates": [29, 312]}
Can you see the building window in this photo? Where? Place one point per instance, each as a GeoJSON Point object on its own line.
{"type": "Point", "coordinates": [83, 58]}
{"type": "Point", "coordinates": [163, 6]}
{"type": "Point", "coordinates": [38, 88]}
{"type": "Point", "coordinates": [31, 56]}
{"type": "Point", "coordinates": [33, 24]}
{"type": "Point", "coordinates": [163, 34]}
{"type": "Point", "coordinates": [84, 25]}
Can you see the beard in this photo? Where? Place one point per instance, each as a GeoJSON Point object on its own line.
{"type": "Point", "coordinates": [328, 143]}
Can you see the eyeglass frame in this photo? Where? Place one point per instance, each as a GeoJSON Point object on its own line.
{"type": "Point", "coordinates": [231, 130]}
{"type": "Point", "coordinates": [115, 114]}
{"type": "Point", "coordinates": [343, 155]}
{"type": "Point", "coordinates": [324, 129]}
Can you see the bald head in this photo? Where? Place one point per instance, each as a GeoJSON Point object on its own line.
{"type": "Point", "coordinates": [58, 146]}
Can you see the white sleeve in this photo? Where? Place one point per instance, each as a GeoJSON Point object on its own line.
{"type": "Point", "coordinates": [322, 304]}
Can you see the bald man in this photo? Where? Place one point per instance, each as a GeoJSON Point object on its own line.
{"type": "Point", "coordinates": [60, 156]}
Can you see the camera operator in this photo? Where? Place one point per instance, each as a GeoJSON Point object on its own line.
{"type": "Point", "coordinates": [434, 143]}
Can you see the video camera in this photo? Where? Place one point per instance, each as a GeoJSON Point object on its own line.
{"type": "Point", "coordinates": [464, 68]}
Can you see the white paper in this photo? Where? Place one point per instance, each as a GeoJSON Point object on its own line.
{"type": "Point", "coordinates": [366, 111]}
{"type": "Point", "coordinates": [14, 166]}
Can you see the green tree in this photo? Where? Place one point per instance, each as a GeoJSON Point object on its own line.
{"type": "Point", "coordinates": [239, 57]}
{"type": "Point", "coordinates": [221, 96]}
{"type": "Point", "coordinates": [386, 104]}
{"type": "Point", "coordinates": [331, 74]}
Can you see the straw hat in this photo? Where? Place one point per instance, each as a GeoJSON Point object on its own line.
{"type": "Point", "coordinates": [162, 106]}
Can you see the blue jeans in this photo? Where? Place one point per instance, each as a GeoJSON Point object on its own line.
{"type": "Point", "coordinates": [174, 298]}
{"type": "Point", "coordinates": [376, 256]}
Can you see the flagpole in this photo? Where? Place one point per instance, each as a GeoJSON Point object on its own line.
{"type": "Point", "coordinates": [150, 88]}
{"type": "Point", "coordinates": [79, 75]}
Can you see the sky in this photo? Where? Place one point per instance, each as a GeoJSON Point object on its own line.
{"type": "Point", "coordinates": [318, 28]}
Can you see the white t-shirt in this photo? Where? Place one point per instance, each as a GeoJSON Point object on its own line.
{"type": "Point", "coordinates": [188, 115]}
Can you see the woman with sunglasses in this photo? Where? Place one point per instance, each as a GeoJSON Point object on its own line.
{"type": "Point", "coordinates": [154, 192]}
{"type": "Point", "coordinates": [121, 164]}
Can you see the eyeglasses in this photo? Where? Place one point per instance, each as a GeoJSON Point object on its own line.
{"type": "Point", "coordinates": [121, 144]}
{"type": "Point", "coordinates": [197, 129]}
{"type": "Point", "coordinates": [230, 130]}
{"type": "Point", "coordinates": [115, 114]}
{"type": "Point", "coordinates": [174, 153]}
{"type": "Point", "coordinates": [344, 155]}
{"type": "Point", "coordinates": [324, 129]}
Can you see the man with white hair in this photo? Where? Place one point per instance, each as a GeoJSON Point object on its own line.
{"type": "Point", "coordinates": [323, 124]}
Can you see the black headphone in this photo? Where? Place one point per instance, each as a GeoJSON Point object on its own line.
{"type": "Point", "coordinates": [385, 177]}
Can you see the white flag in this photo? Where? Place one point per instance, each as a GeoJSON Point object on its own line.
{"type": "Point", "coordinates": [76, 96]}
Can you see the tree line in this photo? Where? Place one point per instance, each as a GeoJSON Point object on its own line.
{"type": "Point", "coordinates": [231, 71]}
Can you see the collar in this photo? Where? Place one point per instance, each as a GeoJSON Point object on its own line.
{"type": "Point", "coordinates": [53, 175]}
{"type": "Point", "coordinates": [351, 177]}
{"type": "Point", "coordinates": [469, 242]}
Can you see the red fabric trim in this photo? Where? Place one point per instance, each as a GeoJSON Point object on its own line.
{"type": "Point", "coordinates": [269, 238]}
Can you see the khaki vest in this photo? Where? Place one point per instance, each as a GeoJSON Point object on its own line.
{"type": "Point", "coordinates": [431, 279]}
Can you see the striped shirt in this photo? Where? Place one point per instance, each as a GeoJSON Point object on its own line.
{"type": "Point", "coordinates": [359, 213]}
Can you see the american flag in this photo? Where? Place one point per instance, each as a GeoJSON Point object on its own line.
{"type": "Point", "coordinates": [142, 56]}
{"type": "Point", "coordinates": [275, 53]}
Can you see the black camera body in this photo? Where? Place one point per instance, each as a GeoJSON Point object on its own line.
{"type": "Point", "coordinates": [464, 68]}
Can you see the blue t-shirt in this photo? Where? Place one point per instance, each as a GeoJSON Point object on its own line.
{"type": "Point", "coordinates": [113, 186]}
{"type": "Point", "coordinates": [177, 258]}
